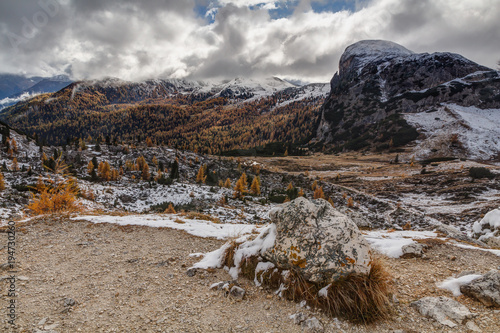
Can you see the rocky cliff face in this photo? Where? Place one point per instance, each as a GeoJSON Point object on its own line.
{"type": "Point", "coordinates": [378, 81]}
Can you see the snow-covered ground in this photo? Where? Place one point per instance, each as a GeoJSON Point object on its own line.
{"type": "Point", "coordinates": [200, 228]}
{"type": "Point", "coordinates": [391, 243]}
{"type": "Point", "coordinates": [477, 130]}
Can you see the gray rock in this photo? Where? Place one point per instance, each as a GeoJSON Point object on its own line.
{"type": "Point", "coordinates": [485, 289]}
{"type": "Point", "coordinates": [444, 310]}
{"type": "Point", "coordinates": [318, 241]}
{"type": "Point", "coordinates": [298, 318]}
{"type": "Point", "coordinates": [414, 250]}
{"type": "Point", "coordinates": [191, 272]}
{"type": "Point", "coordinates": [454, 233]}
{"type": "Point", "coordinates": [69, 302]}
{"type": "Point", "coordinates": [312, 325]}
{"type": "Point", "coordinates": [237, 292]}
{"type": "Point", "coordinates": [359, 219]}
{"type": "Point", "coordinates": [125, 198]}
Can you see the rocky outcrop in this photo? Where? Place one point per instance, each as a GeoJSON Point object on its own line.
{"type": "Point", "coordinates": [379, 80]}
{"type": "Point", "coordinates": [485, 289]}
{"type": "Point", "coordinates": [318, 241]}
{"type": "Point", "coordinates": [444, 310]}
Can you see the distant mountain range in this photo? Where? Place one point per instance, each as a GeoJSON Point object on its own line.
{"type": "Point", "coordinates": [15, 88]}
{"type": "Point", "coordinates": [209, 116]}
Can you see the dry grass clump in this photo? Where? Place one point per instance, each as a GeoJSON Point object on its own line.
{"type": "Point", "coordinates": [200, 216]}
{"type": "Point", "coordinates": [360, 298]}
{"type": "Point", "coordinates": [58, 195]}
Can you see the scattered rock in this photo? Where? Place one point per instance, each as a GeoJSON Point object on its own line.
{"type": "Point", "coordinates": [454, 233]}
{"type": "Point", "coordinates": [414, 250]}
{"type": "Point", "coordinates": [444, 310]}
{"type": "Point", "coordinates": [191, 272]}
{"type": "Point", "coordinates": [466, 273]}
{"type": "Point", "coordinates": [485, 289]}
{"type": "Point", "coordinates": [312, 325]}
{"type": "Point", "coordinates": [125, 198]}
{"type": "Point", "coordinates": [69, 302]}
{"type": "Point", "coordinates": [237, 292]}
{"type": "Point", "coordinates": [318, 241]}
{"type": "Point", "coordinates": [298, 318]}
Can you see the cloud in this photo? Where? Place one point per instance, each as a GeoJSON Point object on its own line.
{"type": "Point", "coordinates": [159, 38]}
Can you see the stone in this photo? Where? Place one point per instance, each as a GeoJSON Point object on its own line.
{"type": "Point", "coordinates": [69, 302]}
{"type": "Point", "coordinates": [414, 250]}
{"type": "Point", "coordinates": [298, 318]}
{"type": "Point", "coordinates": [312, 325]}
{"type": "Point", "coordinates": [485, 289]}
{"type": "Point", "coordinates": [454, 233]}
{"type": "Point", "coordinates": [191, 272]}
{"type": "Point", "coordinates": [125, 198]}
{"type": "Point", "coordinates": [237, 292]}
{"type": "Point", "coordinates": [318, 241]}
{"type": "Point", "coordinates": [444, 310]}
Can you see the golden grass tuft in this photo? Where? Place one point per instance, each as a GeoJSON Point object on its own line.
{"type": "Point", "coordinates": [361, 298]}
{"type": "Point", "coordinates": [200, 216]}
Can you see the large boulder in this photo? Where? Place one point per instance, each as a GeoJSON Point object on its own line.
{"type": "Point", "coordinates": [317, 240]}
{"type": "Point", "coordinates": [485, 289]}
{"type": "Point", "coordinates": [488, 229]}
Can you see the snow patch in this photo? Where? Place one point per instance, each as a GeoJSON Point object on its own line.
{"type": "Point", "coordinates": [453, 284]}
{"type": "Point", "coordinates": [391, 243]}
{"type": "Point", "coordinates": [198, 228]}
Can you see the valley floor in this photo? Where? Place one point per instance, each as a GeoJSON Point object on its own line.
{"type": "Point", "coordinates": [77, 276]}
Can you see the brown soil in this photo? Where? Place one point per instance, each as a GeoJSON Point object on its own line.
{"type": "Point", "coordinates": [133, 279]}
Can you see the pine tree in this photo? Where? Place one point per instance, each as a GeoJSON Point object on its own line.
{"type": "Point", "coordinates": [314, 185]}
{"type": "Point", "coordinates": [318, 193]}
{"type": "Point", "coordinates": [104, 171]}
{"type": "Point", "coordinates": [255, 187]}
{"type": "Point", "coordinates": [174, 173]}
{"type": "Point", "coordinates": [200, 177]}
{"type": "Point", "coordinates": [90, 167]}
{"type": "Point", "coordinates": [170, 209]}
{"type": "Point", "coordinates": [241, 187]}
{"type": "Point", "coordinates": [227, 183]}
{"type": "Point", "coordinates": [149, 142]}
{"type": "Point", "coordinates": [145, 172]}
{"type": "Point", "coordinates": [331, 202]}
{"type": "Point", "coordinates": [13, 145]}
{"type": "Point", "coordinates": [2, 182]}
{"type": "Point", "coordinates": [15, 165]}
{"type": "Point", "coordinates": [301, 193]}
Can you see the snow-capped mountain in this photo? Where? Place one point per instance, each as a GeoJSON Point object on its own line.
{"type": "Point", "coordinates": [379, 81]}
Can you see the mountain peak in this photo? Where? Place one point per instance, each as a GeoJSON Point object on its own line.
{"type": "Point", "coordinates": [367, 51]}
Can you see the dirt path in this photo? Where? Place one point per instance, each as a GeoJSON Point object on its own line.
{"type": "Point", "coordinates": [132, 279]}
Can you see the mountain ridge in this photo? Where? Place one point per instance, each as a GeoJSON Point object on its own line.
{"type": "Point", "coordinates": [370, 93]}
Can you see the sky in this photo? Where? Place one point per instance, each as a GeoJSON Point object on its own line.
{"type": "Point", "coordinates": [222, 39]}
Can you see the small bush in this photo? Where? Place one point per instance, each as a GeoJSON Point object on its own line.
{"type": "Point", "coordinates": [481, 172]}
{"type": "Point", "coordinates": [59, 195]}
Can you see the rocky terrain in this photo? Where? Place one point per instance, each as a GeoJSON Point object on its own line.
{"type": "Point", "coordinates": [160, 238]}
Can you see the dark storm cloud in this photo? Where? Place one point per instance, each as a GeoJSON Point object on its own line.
{"type": "Point", "coordinates": [162, 38]}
